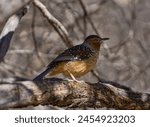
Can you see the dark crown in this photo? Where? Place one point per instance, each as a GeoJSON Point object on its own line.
{"type": "Point", "coordinates": [91, 37]}
{"type": "Point", "coordinates": [95, 36]}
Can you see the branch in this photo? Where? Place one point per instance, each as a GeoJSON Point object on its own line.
{"type": "Point", "coordinates": [71, 94]}
{"type": "Point", "coordinates": [8, 31]}
{"type": "Point", "coordinates": [9, 7]}
{"type": "Point", "coordinates": [58, 26]}
{"type": "Point", "coordinates": [88, 17]}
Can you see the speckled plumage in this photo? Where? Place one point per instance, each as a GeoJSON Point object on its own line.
{"type": "Point", "coordinates": [77, 60]}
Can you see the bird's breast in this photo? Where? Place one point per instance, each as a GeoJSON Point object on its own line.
{"type": "Point", "coordinates": [79, 68]}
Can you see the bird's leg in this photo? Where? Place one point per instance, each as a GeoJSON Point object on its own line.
{"type": "Point", "coordinates": [74, 79]}
{"type": "Point", "coordinates": [71, 75]}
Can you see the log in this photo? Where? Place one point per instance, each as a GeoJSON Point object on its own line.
{"type": "Point", "coordinates": [71, 94]}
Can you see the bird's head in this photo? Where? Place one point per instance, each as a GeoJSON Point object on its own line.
{"type": "Point", "coordinates": [94, 40]}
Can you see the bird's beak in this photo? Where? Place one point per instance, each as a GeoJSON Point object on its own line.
{"type": "Point", "coordinates": [104, 39]}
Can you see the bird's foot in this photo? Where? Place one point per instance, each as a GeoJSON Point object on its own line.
{"type": "Point", "coordinates": [79, 81]}
{"type": "Point", "coordinates": [75, 80]}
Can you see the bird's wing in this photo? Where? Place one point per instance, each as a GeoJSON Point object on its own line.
{"type": "Point", "coordinates": [78, 52]}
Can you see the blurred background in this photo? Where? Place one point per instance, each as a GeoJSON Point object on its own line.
{"type": "Point", "coordinates": [124, 59]}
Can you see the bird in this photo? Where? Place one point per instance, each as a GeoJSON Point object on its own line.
{"type": "Point", "coordinates": [76, 61]}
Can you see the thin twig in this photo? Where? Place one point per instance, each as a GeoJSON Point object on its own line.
{"type": "Point", "coordinates": [60, 29]}
{"type": "Point", "coordinates": [88, 17]}
{"type": "Point", "coordinates": [34, 36]}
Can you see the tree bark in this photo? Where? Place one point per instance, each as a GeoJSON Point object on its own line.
{"type": "Point", "coordinates": [71, 94]}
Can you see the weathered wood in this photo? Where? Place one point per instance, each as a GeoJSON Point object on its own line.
{"type": "Point", "coordinates": [71, 94]}
{"type": "Point", "coordinates": [8, 31]}
{"type": "Point", "coordinates": [9, 7]}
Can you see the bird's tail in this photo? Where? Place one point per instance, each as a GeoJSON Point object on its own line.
{"type": "Point", "coordinates": [41, 75]}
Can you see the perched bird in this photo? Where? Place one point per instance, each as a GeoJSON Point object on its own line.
{"type": "Point", "coordinates": [75, 61]}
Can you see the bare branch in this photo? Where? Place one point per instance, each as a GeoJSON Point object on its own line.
{"type": "Point", "coordinates": [9, 7]}
{"type": "Point", "coordinates": [58, 26]}
{"type": "Point", "coordinates": [8, 31]}
{"type": "Point", "coordinates": [34, 37]}
{"type": "Point", "coordinates": [88, 17]}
